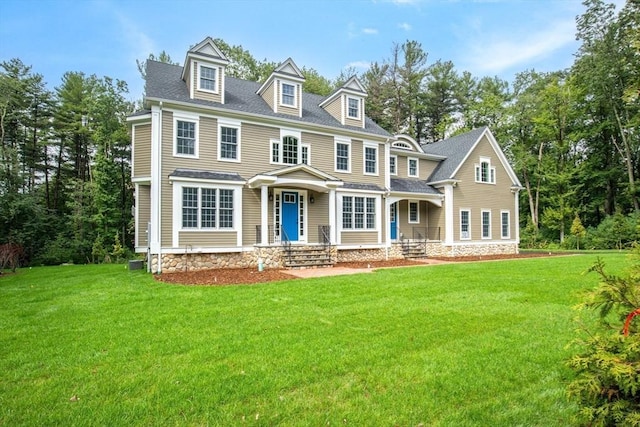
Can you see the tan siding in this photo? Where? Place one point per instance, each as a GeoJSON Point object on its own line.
{"type": "Point", "coordinates": [256, 150]}
{"type": "Point", "coordinates": [322, 151]}
{"type": "Point", "coordinates": [204, 95]}
{"type": "Point", "coordinates": [359, 237]}
{"type": "Point", "coordinates": [478, 196]}
{"type": "Point", "coordinates": [142, 151]}
{"type": "Point", "coordinates": [208, 143]}
{"type": "Point", "coordinates": [357, 166]}
{"type": "Point", "coordinates": [427, 167]}
{"type": "Point", "coordinates": [143, 202]}
{"type": "Point", "coordinates": [288, 110]}
{"type": "Point", "coordinates": [435, 218]}
{"type": "Point", "coordinates": [250, 215]}
{"type": "Point", "coordinates": [333, 108]}
{"type": "Point", "coordinates": [215, 239]}
{"type": "Point", "coordinates": [169, 164]}
{"type": "Point", "coordinates": [299, 175]}
{"type": "Point", "coordinates": [349, 121]}
{"type": "Point", "coordinates": [267, 95]}
{"type": "Point", "coordinates": [404, 226]}
{"type": "Point", "coordinates": [318, 214]}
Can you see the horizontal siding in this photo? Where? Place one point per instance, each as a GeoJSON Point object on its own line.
{"type": "Point", "coordinates": [333, 108]}
{"type": "Point", "coordinates": [250, 215]}
{"type": "Point", "coordinates": [322, 151]}
{"type": "Point", "coordinates": [141, 151]}
{"type": "Point", "coordinates": [143, 203]}
{"type": "Point", "coordinates": [318, 214]}
{"type": "Point", "coordinates": [479, 196]}
{"type": "Point", "coordinates": [204, 95]}
{"type": "Point", "coordinates": [214, 239]}
{"type": "Point", "coordinates": [169, 164]}
{"type": "Point", "coordinates": [359, 237]}
{"type": "Point", "coordinates": [267, 95]}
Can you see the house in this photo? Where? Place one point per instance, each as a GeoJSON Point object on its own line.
{"type": "Point", "coordinates": [234, 173]}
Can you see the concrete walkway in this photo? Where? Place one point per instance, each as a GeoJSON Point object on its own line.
{"type": "Point", "coordinates": [339, 271]}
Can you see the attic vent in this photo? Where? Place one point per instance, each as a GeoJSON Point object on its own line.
{"type": "Point", "coordinates": [401, 145]}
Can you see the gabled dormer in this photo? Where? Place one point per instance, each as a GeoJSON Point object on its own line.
{"type": "Point", "coordinates": [347, 103]}
{"type": "Point", "coordinates": [204, 71]}
{"type": "Point", "coordinates": [283, 89]}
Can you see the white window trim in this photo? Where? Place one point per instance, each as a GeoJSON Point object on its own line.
{"type": "Point", "coordinates": [359, 115]}
{"type": "Point", "coordinates": [393, 156]}
{"type": "Point", "coordinates": [417, 221]}
{"type": "Point", "coordinates": [482, 212]}
{"type": "Point", "coordinates": [177, 206]}
{"type": "Point", "coordinates": [502, 212]}
{"type": "Point", "coordinates": [186, 117]}
{"type": "Point", "coordinates": [364, 158]}
{"type": "Point", "coordinates": [216, 81]}
{"type": "Point", "coordinates": [335, 155]}
{"type": "Point", "coordinates": [468, 211]}
{"type": "Point", "coordinates": [478, 171]}
{"type": "Point", "coordinates": [295, 94]}
{"type": "Point", "coordinates": [417, 174]}
{"type": "Point", "coordinates": [284, 133]}
{"type": "Point", "coordinates": [377, 213]}
{"type": "Point", "coordinates": [229, 124]}
{"type": "Point", "coordinates": [308, 147]}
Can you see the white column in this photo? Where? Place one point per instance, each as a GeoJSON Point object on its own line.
{"type": "Point", "coordinates": [264, 215]}
{"type": "Point", "coordinates": [516, 216]}
{"type": "Point", "coordinates": [156, 181]}
{"type": "Point", "coordinates": [333, 226]}
{"type": "Point", "coordinates": [448, 214]}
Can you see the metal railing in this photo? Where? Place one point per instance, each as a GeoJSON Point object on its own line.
{"type": "Point", "coordinates": [426, 233]}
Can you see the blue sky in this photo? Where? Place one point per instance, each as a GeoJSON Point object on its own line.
{"type": "Point", "coordinates": [105, 37]}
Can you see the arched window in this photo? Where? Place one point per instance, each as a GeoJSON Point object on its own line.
{"type": "Point", "coordinates": [290, 150]}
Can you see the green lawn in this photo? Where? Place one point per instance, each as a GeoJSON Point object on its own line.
{"type": "Point", "coordinates": [449, 345]}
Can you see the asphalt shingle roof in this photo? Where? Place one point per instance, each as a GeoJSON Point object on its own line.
{"type": "Point", "coordinates": [200, 174]}
{"type": "Point", "coordinates": [359, 186]}
{"type": "Point", "coordinates": [455, 149]}
{"type": "Point", "coordinates": [407, 185]}
{"type": "Point", "coordinates": [164, 81]}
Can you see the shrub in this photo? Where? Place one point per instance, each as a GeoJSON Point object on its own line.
{"type": "Point", "coordinates": [607, 382]}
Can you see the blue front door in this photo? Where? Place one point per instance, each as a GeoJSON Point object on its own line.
{"type": "Point", "coordinates": [290, 215]}
{"type": "Point", "coordinates": [393, 213]}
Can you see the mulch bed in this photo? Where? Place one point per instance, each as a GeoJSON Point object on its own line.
{"type": "Point", "coordinates": [236, 276]}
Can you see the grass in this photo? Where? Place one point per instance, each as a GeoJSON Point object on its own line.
{"type": "Point", "coordinates": [449, 345]}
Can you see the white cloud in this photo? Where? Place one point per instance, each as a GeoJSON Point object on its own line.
{"type": "Point", "coordinates": [364, 65]}
{"type": "Point", "coordinates": [405, 26]}
{"type": "Point", "coordinates": [370, 31]}
{"type": "Point", "coordinates": [500, 53]}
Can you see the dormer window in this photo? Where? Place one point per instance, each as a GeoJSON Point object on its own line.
{"type": "Point", "coordinates": [288, 95]}
{"type": "Point", "coordinates": [354, 108]}
{"type": "Point", "coordinates": [207, 78]}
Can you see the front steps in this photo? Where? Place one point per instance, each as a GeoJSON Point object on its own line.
{"type": "Point", "coordinates": [414, 249]}
{"type": "Point", "coordinates": [307, 257]}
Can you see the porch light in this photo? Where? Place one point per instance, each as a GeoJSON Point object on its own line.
{"type": "Point", "coordinates": [270, 196]}
{"type": "Point", "coordinates": [312, 200]}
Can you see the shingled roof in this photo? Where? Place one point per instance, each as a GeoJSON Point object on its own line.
{"type": "Point", "coordinates": [456, 149]}
{"type": "Point", "coordinates": [164, 82]}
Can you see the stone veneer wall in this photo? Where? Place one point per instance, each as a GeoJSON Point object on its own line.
{"type": "Point", "coordinates": [272, 256]}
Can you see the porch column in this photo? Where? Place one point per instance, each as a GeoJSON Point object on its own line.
{"type": "Point", "coordinates": [448, 214]}
{"type": "Point", "coordinates": [332, 216]}
{"type": "Point", "coordinates": [264, 215]}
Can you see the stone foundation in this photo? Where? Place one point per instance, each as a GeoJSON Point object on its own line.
{"type": "Point", "coordinates": [271, 256]}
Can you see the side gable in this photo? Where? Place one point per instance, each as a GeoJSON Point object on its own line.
{"type": "Point", "coordinates": [458, 150]}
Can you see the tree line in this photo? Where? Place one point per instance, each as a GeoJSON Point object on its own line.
{"type": "Point", "coordinates": [572, 135]}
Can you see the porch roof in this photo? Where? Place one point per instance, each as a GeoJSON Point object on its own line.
{"type": "Point", "coordinates": [407, 185]}
{"type": "Point", "coordinates": [206, 175]}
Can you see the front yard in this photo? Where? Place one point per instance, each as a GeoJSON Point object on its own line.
{"type": "Point", "coordinates": [455, 344]}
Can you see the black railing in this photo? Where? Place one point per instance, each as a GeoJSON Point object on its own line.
{"type": "Point", "coordinates": [286, 243]}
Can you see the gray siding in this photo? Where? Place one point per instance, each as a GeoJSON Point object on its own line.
{"type": "Point", "coordinates": [143, 202]}
{"type": "Point", "coordinates": [142, 151]}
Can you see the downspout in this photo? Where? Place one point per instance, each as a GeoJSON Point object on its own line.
{"type": "Point", "coordinates": [159, 225]}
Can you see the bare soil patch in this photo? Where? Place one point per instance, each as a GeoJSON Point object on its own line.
{"type": "Point", "coordinates": [237, 276]}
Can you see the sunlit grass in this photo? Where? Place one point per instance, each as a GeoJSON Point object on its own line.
{"type": "Point", "coordinates": [459, 344]}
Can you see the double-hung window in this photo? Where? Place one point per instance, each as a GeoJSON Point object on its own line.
{"type": "Point", "coordinates": [229, 141]}
{"type": "Point", "coordinates": [486, 224]}
{"type": "Point", "coordinates": [414, 212]}
{"type": "Point", "coordinates": [185, 138]}
{"type": "Point", "coordinates": [343, 155]}
{"type": "Point", "coordinates": [465, 224]}
{"type": "Point", "coordinates": [288, 95]}
{"type": "Point", "coordinates": [207, 80]}
{"type": "Point", "coordinates": [393, 164]}
{"type": "Point", "coordinates": [371, 160]}
{"type": "Point", "coordinates": [353, 110]}
{"type": "Point", "coordinates": [358, 213]}
{"type": "Point", "coordinates": [505, 226]}
{"type": "Point", "coordinates": [412, 167]}
{"type": "Point", "coordinates": [207, 208]}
